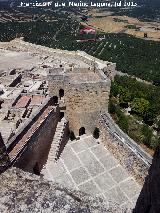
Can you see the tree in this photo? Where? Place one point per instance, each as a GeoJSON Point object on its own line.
{"type": "Point", "coordinates": [111, 107]}
{"type": "Point", "coordinates": [122, 120]}
{"type": "Point", "coordinates": [124, 99]}
{"type": "Point", "coordinates": [146, 135]}
{"type": "Point", "coordinates": [139, 105]}
{"type": "Point", "coordinates": [96, 133]}
{"type": "Point", "coordinates": [149, 117]}
{"type": "Point", "coordinates": [123, 123]}
{"type": "Point", "coordinates": [114, 89]}
{"type": "Point", "coordinates": [155, 143]}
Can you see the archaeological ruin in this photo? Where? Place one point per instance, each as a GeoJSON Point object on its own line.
{"type": "Point", "coordinates": [45, 94]}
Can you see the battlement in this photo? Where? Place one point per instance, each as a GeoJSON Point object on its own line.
{"type": "Point", "coordinates": [62, 58]}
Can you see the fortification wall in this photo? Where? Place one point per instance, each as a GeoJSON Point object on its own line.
{"type": "Point", "coordinates": [20, 45]}
{"type": "Point", "coordinates": [35, 154]}
{"type": "Point", "coordinates": [134, 165]}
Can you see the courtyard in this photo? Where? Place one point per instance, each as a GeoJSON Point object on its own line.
{"type": "Point", "coordinates": [88, 166]}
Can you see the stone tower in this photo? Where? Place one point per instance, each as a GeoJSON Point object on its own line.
{"type": "Point", "coordinates": [82, 94]}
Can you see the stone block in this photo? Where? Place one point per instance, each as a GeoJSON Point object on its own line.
{"type": "Point", "coordinates": [89, 187]}
{"type": "Point", "coordinates": [80, 175]}
{"type": "Point", "coordinates": [108, 162]}
{"type": "Point", "coordinates": [130, 187]}
{"type": "Point", "coordinates": [105, 181]}
{"type": "Point", "coordinates": [99, 151]}
{"type": "Point", "coordinates": [116, 195]}
{"type": "Point", "coordinates": [118, 174]}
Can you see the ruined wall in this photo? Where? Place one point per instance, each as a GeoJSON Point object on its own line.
{"type": "Point", "coordinates": [19, 45]}
{"type": "Point", "coordinates": [127, 158]}
{"type": "Point", "coordinates": [36, 152]}
{"type": "Point", "coordinates": [149, 198]}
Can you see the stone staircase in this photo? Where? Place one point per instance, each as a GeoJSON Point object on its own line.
{"type": "Point", "coordinates": [56, 143]}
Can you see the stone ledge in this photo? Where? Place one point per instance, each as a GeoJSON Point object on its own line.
{"type": "Point", "coordinates": [25, 192]}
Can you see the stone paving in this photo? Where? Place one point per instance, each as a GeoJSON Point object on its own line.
{"type": "Point", "coordinates": [88, 166]}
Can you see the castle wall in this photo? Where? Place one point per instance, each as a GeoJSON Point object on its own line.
{"type": "Point", "coordinates": [128, 159]}
{"type": "Point", "coordinates": [37, 149]}
{"type": "Point", "coordinates": [83, 101]}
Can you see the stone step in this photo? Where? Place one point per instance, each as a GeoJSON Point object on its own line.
{"type": "Point", "coordinates": [55, 144]}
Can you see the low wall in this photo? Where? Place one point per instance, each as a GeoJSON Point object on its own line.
{"type": "Point", "coordinates": [127, 158]}
{"type": "Point", "coordinates": [36, 152]}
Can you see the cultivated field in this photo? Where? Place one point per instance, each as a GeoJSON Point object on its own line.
{"type": "Point", "coordinates": [124, 24]}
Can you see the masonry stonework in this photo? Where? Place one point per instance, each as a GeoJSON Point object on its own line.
{"type": "Point", "coordinates": [83, 100]}
{"type": "Point", "coordinates": [36, 152]}
{"type": "Point", "coordinates": [134, 165]}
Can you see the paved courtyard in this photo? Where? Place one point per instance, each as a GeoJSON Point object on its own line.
{"type": "Point", "coordinates": [90, 167]}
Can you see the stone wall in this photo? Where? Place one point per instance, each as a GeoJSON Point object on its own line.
{"type": "Point", "coordinates": [18, 134]}
{"type": "Point", "coordinates": [38, 146]}
{"type": "Point", "coordinates": [127, 158]}
{"type": "Point", "coordinates": [20, 45]}
{"type": "Point", "coordinates": [4, 160]}
{"type": "Point", "coordinates": [83, 102]}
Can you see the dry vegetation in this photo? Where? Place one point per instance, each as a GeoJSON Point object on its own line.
{"type": "Point", "coordinates": [116, 24]}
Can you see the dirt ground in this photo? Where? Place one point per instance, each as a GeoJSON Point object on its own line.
{"type": "Point", "coordinates": [105, 22]}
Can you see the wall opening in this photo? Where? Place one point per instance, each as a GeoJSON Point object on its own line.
{"type": "Point", "coordinates": [55, 100]}
{"type": "Point", "coordinates": [61, 93]}
{"type": "Point", "coordinates": [61, 115]}
{"type": "Point", "coordinates": [36, 169]}
{"type": "Point", "coordinates": [81, 131]}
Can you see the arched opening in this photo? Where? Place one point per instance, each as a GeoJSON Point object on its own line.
{"type": "Point", "coordinates": [61, 93]}
{"type": "Point", "coordinates": [36, 169]}
{"type": "Point", "coordinates": [81, 131]}
{"type": "Point", "coordinates": [55, 100]}
{"type": "Point", "coordinates": [61, 115]}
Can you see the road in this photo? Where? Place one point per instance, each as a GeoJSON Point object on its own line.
{"type": "Point", "coordinates": [117, 133]}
